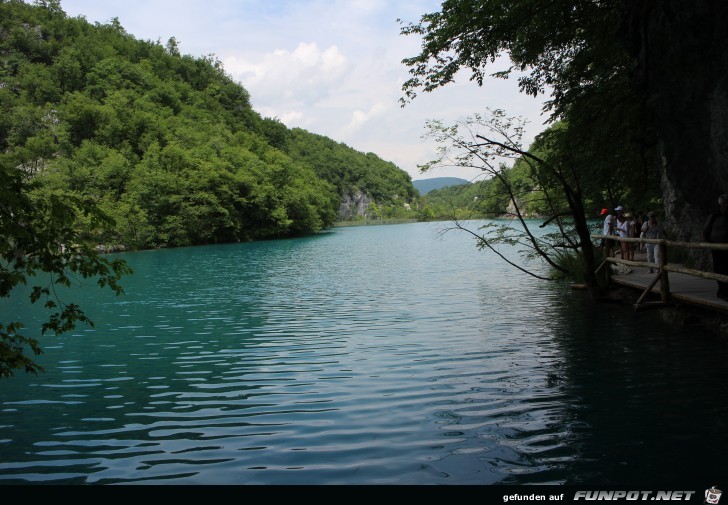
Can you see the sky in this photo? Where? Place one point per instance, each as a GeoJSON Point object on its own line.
{"type": "Point", "coordinates": [332, 67]}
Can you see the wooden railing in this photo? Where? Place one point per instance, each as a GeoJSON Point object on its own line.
{"type": "Point", "coordinates": [663, 268]}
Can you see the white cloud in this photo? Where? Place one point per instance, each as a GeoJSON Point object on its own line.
{"type": "Point", "coordinates": [303, 76]}
{"type": "Point", "coordinates": [287, 117]}
{"type": "Point", "coordinates": [291, 117]}
{"type": "Point", "coordinates": [360, 117]}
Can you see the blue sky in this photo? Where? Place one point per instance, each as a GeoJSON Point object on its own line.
{"type": "Point", "coordinates": [332, 67]}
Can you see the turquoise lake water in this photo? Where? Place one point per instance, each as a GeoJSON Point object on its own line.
{"type": "Point", "coordinates": [364, 355]}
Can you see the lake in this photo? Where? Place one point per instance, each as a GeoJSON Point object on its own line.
{"type": "Point", "coordinates": [363, 355]}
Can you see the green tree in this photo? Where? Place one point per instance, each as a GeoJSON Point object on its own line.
{"type": "Point", "coordinates": [567, 48]}
{"type": "Point", "coordinates": [483, 142]}
{"type": "Point", "coordinates": [603, 149]}
{"type": "Point", "coordinates": [42, 248]}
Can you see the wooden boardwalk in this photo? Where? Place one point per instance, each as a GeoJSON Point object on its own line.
{"type": "Point", "coordinates": [684, 288]}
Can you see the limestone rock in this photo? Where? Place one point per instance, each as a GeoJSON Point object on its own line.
{"type": "Point", "coordinates": [354, 205]}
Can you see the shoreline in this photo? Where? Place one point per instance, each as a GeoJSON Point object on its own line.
{"type": "Point", "coordinates": [374, 222]}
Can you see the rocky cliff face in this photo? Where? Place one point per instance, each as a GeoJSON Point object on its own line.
{"type": "Point", "coordinates": [354, 205]}
{"type": "Point", "coordinates": [681, 70]}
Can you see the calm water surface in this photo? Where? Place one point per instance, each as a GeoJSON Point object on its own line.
{"type": "Point", "coordinates": [368, 355]}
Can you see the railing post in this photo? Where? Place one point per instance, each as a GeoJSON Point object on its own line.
{"type": "Point", "coordinates": [608, 271]}
{"type": "Point", "coordinates": [664, 280]}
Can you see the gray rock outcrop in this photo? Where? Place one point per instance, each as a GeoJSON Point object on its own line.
{"type": "Point", "coordinates": [354, 205]}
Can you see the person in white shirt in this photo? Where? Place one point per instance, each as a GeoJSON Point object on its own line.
{"type": "Point", "coordinates": [623, 229]}
{"type": "Point", "coordinates": [607, 245]}
{"type": "Point", "coordinates": [650, 229]}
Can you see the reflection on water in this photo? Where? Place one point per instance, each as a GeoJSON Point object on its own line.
{"type": "Point", "coordinates": [363, 355]}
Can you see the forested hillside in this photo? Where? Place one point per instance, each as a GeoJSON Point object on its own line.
{"type": "Point", "coordinates": [485, 198]}
{"type": "Point", "coordinates": [355, 175]}
{"type": "Point", "coordinates": [165, 144]}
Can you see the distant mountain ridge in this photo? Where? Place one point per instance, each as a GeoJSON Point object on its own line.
{"type": "Point", "coordinates": [424, 186]}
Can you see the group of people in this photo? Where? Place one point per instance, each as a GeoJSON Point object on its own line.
{"type": "Point", "coordinates": [627, 225]}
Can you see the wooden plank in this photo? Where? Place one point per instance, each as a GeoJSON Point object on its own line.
{"type": "Point", "coordinates": [668, 267]}
{"type": "Point", "coordinates": [696, 273]}
{"type": "Point", "coordinates": [648, 289]}
{"type": "Point", "coordinates": [674, 282]}
{"type": "Point", "coordinates": [720, 246]}
{"type": "Point", "coordinates": [630, 263]}
{"type": "Point", "coordinates": [683, 287]}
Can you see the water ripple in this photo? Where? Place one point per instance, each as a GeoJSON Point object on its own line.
{"type": "Point", "coordinates": [327, 360]}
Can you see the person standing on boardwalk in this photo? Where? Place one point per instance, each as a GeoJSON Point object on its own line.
{"type": "Point", "coordinates": [650, 229]}
{"type": "Point", "coordinates": [639, 221]}
{"type": "Point", "coordinates": [629, 218]}
{"type": "Point", "coordinates": [716, 231]}
{"type": "Point", "coordinates": [607, 244]}
{"type": "Point", "coordinates": [623, 231]}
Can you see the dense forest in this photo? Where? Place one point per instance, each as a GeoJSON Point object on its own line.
{"type": "Point", "coordinates": [166, 145]}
